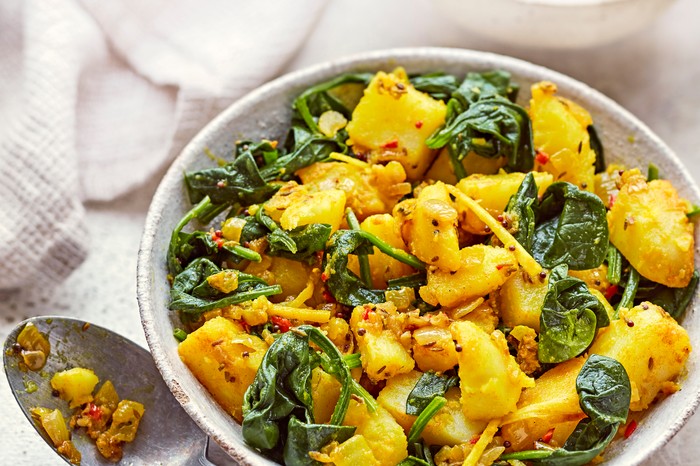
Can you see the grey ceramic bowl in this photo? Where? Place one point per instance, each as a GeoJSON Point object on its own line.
{"type": "Point", "coordinates": [265, 113]}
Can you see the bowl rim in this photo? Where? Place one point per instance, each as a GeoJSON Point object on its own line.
{"type": "Point", "coordinates": [149, 258]}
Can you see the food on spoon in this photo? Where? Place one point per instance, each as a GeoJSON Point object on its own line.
{"type": "Point", "coordinates": [430, 272]}
{"type": "Point", "coordinates": [34, 347]}
{"type": "Point", "coordinates": [109, 421]}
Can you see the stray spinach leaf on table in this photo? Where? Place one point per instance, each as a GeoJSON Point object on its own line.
{"type": "Point", "coordinates": [569, 318]}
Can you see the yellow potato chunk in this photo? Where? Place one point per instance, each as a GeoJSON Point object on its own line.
{"type": "Point", "coordinates": [354, 451]}
{"type": "Point", "coordinates": [224, 358]}
{"type": "Point", "coordinates": [434, 349]}
{"type": "Point", "coordinates": [392, 122]}
{"type": "Point", "coordinates": [648, 225]}
{"type": "Point", "coordinates": [441, 169]}
{"type": "Point", "coordinates": [488, 390]}
{"type": "Point", "coordinates": [653, 350]}
{"type": "Point", "coordinates": [75, 385]}
{"type": "Point", "coordinates": [383, 434]}
{"type": "Point", "coordinates": [560, 133]}
{"type": "Point", "coordinates": [448, 427]}
{"type": "Point", "coordinates": [319, 207]}
{"type": "Point", "coordinates": [383, 356]}
{"type": "Point", "coordinates": [369, 189]}
{"type": "Point", "coordinates": [521, 300]}
{"type": "Point", "coordinates": [482, 270]}
{"type": "Point", "coordinates": [383, 267]}
{"type": "Point", "coordinates": [325, 391]}
{"type": "Point", "coordinates": [493, 193]}
{"type": "Point", "coordinates": [552, 403]}
{"type": "Point", "coordinates": [432, 228]}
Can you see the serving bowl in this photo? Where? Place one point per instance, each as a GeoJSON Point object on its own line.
{"type": "Point", "coordinates": [265, 113]}
{"type": "Point", "coordinates": [553, 24]}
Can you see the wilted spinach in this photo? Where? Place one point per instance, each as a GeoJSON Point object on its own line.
{"type": "Point", "coordinates": [315, 100]}
{"type": "Point", "coordinates": [281, 393]}
{"type": "Point", "coordinates": [237, 182]}
{"type": "Point", "coordinates": [192, 294]}
{"type": "Point", "coordinates": [428, 387]}
{"type": "Point", "coordinates": [604, 393]}
{"type": "Point", "coordinates": [672, 300]}
{"type": "Point", "coordinates": [597, 147]}
{"type": "Point", "coordinates": [569, 318]}
{"type": "Point", "coordinates": [521, 209]}
{"type": "Point", "coordinates": [571, 228]}
{"type": "Point", "coordinates": [307, 239]}
{"type": "Point", "coordinates": [491, 128]}
{"type": "Point", "coordinates": [346, 287]}
{"type": "Point", "coordinates": [482, 117]}
{"type": "Point", "coordinates": [439, 86]}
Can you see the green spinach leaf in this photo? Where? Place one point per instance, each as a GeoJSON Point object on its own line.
{"type": "Point", "coordinates": [307, 240]}
{"type": "Point", "coordinates": [597, 147]}
{"type": "Point", "coordinates": [521, 209]}
{"type": "Point", "coordinates": [191, 293]}
{"type": "Point", "coordinates": [491, 128]}
{"type": "Point", "coordinates": [303, 438]}
{"type": "Point", "coordinates": [673, 300]}
{"type": "Point", "coordinates": [604, 393]}
{"type": "Point", "coordinates": [571, 228]}
{"type": "Point", "coordinates": [569, 318]}
{"type": "Point", "coordinates": [439, 86]}
{"type": "Point", "coordinates": [237, 182]}
{"type": "Point", "coordinates": [346, 287]}
{"type": "Point", "coordinates": [281, 393]}
{"type": "Point", "coordinates": [426, 389]}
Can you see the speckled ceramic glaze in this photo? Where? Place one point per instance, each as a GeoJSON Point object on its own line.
{"type": "Point", "coordinates": [265, 113]}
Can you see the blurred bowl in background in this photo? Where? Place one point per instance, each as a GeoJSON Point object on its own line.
{"type": "Point", "coordinates": [553, 24]}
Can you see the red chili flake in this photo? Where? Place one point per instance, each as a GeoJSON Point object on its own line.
{"type": "Point", "coordinates": [611, 200]}
{"type": "Point", "coordinates": [610, 292]}
{"type": "Point", "coordinates": [541, 158]}
{"type": "Point", "coordinates": [546, 438]}
{"type": "Point", "coordinates": [95, 412]}
{"type": "Point", "coordinates": [219, 242]}
{"type": "Point", "coordinates": [419, 124]}
{"type": "Point", "coordinates": [365, 316]}
{"type": "Point", "coordinates": [221, 184]}
{"type": "Point", "coordinates": [246, 326]}
{"type": "Point", "coordinates": [475, 439]}
{"type": "Point", "coordinates": [500, 266]}
{"type": "Point", "coordinates": [328, 297]}
{"type": "Point", "coordinates": [391, 144]}
{"type": "Point", "coordinates": [282, 323]}
{"type": "Point", "coordinates": [324, 277]}
{"type": "Point", "coordinates": [631, 427]}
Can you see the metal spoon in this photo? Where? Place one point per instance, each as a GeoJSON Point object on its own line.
{"type": "Point", "coordinates": [166, 435]}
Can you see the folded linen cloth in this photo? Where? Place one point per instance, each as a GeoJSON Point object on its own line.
{"type": "Point", "coordinates": [97, 96]}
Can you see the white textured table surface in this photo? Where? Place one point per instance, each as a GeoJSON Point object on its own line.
{"type": "Point", "coordinates": [654, 74]}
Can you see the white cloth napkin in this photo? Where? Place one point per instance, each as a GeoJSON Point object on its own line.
{"type": "Point", "coordinates": [97, 96]}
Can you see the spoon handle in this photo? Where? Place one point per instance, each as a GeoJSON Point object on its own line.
{"type": "Point", "coordinates": [214, 455]}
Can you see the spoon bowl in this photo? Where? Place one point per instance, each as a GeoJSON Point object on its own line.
{"type": "Point", "coordinates": [166, 433]}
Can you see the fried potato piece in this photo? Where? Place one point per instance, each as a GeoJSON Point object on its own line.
{"type": "Point", "coordinates": [651, 346]}
{"type": "Point", "coordinates": [648, 225]}
{"type": "Point", "coordinates": [392, 122]}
